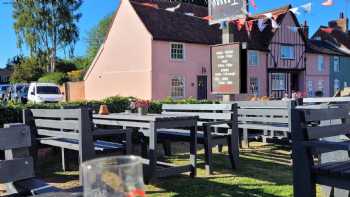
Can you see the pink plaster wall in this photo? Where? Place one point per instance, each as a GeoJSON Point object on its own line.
{"type": "Point", "coordinates": [259, 71]}
{"type": "Point", "coordinates": [123, 65]}
{"type": "Point", "coordinates": [197, 57]}
{"type": "Point", "coordinates": [312, 73]}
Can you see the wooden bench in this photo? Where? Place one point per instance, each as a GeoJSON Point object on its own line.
{"type": "Point", "coordinates": [310, 125]}
{"type": "Point", "coordinates": [268, 119]}
{"type": "Point", "coordinates": [73, 129]}
{"type": "Point", "coordinates": [218, 126]}
{"type": "Point", "coordinates": [17, 170]}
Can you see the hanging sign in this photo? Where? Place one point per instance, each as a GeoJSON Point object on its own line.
{"type": "Point", "coordinates": [226, 10]}
{"type": "Point", "coordinates": [226, 68]}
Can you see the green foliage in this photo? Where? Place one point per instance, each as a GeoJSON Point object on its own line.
{"type": "Point", "coordinates": [11, 112]}
{"type": "Point", "coordinates": [27, 70]}
{"type": "Point", "coordinates": [12, 62]}
{"type": "Point", "coordinates": [96, 37]}
{"type": "Point", "coordinates": [76, 75]}
{"type": "Point", "coordinates": [47, 26]}
{"type": "Point", "coordinates": [81, 63]}
{"type": "Point", "coordinates": [56, 77]}
{"type": "Point", "coordinates": [65, 66]}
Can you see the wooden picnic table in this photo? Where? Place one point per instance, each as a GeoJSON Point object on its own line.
{"type": "Point", "coordinates": [148, 125]}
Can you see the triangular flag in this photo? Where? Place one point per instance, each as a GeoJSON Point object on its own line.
{"type": "Point", "coordinates": [268, 15]}
{"type": "Point", "coordinates": [328, 3]}
{"type": "Point", "coordinates": [173, 8]}
{"type": "Point", "coordinates": [307, 7]}
{"type": "Point", "coordinates": [252, 2]}
{"type": "Point", "coordinates": [293, 28]}
{"type": "Point", "coordinates": [274, 24]}
{"type": "Point", "coordinates": [240, 23]}
{"type": "Point", "coordinates": [295, 10]}
{"type": "Point", "coordinates": [261, 24]}
{"type": "Point", "coordinates": [223, 24]}
{"type": "Point", "coordinates": [208, 18]}
{"type": "Point", "coordinates": [152, 5]}
{"type": "Point", "coordinates": [327, 30]}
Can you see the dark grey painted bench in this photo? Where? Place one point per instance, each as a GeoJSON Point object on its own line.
{"type": "Point", "coordinates": [72, 129]}
{"type": "Point", "coordinates": [309, 126]}
{"type": "Point", "coordinates": [268, 119]}
{"type": "Point", "coordinates": [17, 170]}
{"type": "Point", "coordinates": [218, 126]}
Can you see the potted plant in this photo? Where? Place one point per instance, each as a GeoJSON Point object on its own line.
{"type": "Point", "coordinates": [142, 106]}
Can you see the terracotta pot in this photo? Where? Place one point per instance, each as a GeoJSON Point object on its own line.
{"type": "Point", "coordinates": [103, 110]}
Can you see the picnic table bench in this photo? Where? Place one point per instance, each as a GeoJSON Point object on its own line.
{"type": "Point", "coordinates": [308, 141]}
{"type": "Point", "coordinates": [17, 170]}
{"type": "Point", "coordinates": [218, 126]}
{"type": "Point", "coordinates": [268, 119]}
{"type": "Point", "coordinates": [73, 129]}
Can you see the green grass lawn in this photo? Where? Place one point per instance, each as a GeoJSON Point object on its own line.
{"type": "Point", "coordinates": [264, 171]}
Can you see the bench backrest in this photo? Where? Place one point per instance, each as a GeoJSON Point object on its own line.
{"type": "Point", "coordinates": [325, 100]}
{"type": "Point", "coordinates": [205, 112]}
{"type": "Point", "coordinates": [264, 112]}
{"type": "Point", "coordinates": [75, 124]}
{"type": "Point", "coordinates": [320, 121]}
{"type": "Point", "coordinates": [15, 167]}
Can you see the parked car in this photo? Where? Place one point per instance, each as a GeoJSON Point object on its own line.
{"type": "Point", "coordinates": [44, 93]}
{"type": "Point", "coordinates": [23, 94]}
{"type": "Point", "coordinates": [3, 90]}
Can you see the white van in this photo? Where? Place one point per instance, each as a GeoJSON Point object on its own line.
{"type": "Point", "coordinates": [44, 93]}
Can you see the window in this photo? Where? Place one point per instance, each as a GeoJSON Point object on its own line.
{"type": "Point", "coordinates": [320, 63]}
{"type": "Point", "coordinates": [336, 84]}
{"type": "Point", "coordinates": [48, 90]}
{"type": "Point", "coordinates": [320, 86]}
{"type": "Point", "coordinates": [177, 87]}
{"type": "Point", "coordinates": [310, 88]}
{"type": "Point", "coordinates": [287, 52]}
{"type": "Point", "coordinates": [253, 58]}
{"type": "Point", "coordinates": [336, 64]}
{"type": "Point", "coordinates": [254, 86]}
{"type": "Point", "coordinates": [177, 51]}
{"type": "Point", "coordinates": [278, 81]}
{"type": "Point", "coordinates": [345, 84]}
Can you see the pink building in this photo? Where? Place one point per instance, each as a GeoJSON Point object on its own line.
{"type": "Point", "coordinates": [152, 53]}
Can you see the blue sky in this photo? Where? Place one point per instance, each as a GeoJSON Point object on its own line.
{"type": "Point", "coordinates": [94, 10]}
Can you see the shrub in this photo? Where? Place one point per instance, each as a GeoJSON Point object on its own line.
{"type": "Point", "coordinates": [76, 75]}
{"type": "Point", "coordinates": [56, 77]}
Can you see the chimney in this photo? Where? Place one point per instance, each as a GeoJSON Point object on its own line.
{"type": "Point", "coordinates": [342, 23]}
{"type": "Point", "coordinates": [305, 29]}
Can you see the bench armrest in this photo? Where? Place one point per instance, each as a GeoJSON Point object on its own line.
{"type": "Point", "coordinates": [330, 146]}
{"type": "Point", "coordinates": [217, 123]}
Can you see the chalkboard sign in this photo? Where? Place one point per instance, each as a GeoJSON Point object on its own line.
{"type": "Point", "coordinates": [226, 68]}
{"type": "Point", "coordinates": [226, 10]}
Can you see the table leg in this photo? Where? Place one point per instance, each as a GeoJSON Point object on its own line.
{"type": "Point", "coordinates": [152, 155]}
{"type": "Point", "coordinates": [193, 151]}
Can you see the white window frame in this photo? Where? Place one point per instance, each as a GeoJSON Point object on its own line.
{"type": "Point", "coordinates": [310, 88]}
{"type": "Point", "coordinates": [336, 84]}
{"type": "Point", "coordinates": [345, 84]}
{"type": "Point", "coordinates": [320, 85]}
{"type": "Point", "coordinates": [320, 63]}
{"type": "Point", "coordinates": [171, 87]}
{"type": "Point", "coordinates": [256, 90]}
{"type": "Point", "coordinates": [278, 86]}
{"type": "Point", "coordinates": [336, 64]}
{"type": "Point", "coordinates": [252, 54]}
{"type": "Point", "coordinates": [291, 52]}
{"type": "Point", "coordinates": [183, 51]}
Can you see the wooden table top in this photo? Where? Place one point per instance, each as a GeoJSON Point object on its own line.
{"type": "Point", "coordinates": [138, 117]}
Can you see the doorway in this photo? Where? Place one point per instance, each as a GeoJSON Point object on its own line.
{"type": "Point", "coordinates": [202, 87]}
{"type": "Point", "coordinates": [295, 82]}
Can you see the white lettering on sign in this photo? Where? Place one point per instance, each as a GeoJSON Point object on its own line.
{"type": "Point", "coordinates": [224, 2]}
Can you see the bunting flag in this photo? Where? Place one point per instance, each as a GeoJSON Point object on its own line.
{"type": "Point", "coordinates": [327, 30]}
{"type": "Point", "coordinates": [307, 7]}
{"type": "Point", "coordinates": [268, 15]}
{"type": "Point", "coordinates": [223, 24]}
{"type": "Point", "coordinates": [252, 2]}
{"type": "Point", "coordinates": [152, 5]}
{"type": "Point", "coordinates": [250, 25]}
{"type": "Point", "coordinates": [261, 24]}
{"type": "Point", "coordinates": [293, 28]}
{"type": "Point", "coordinates": [328, 3]}
{"type": "Point", "coordinates": [208, 18]}
{"type": "Point", "coordinates": [240, 23]}
{"type": "Point", "coordinates": [274, 24]}
{"type": "Point", "coordinates": [173, 9]}
{"type": "Point", "coordinates": [295, 10]}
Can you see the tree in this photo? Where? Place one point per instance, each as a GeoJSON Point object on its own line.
{"type": "Point", "coordinates": [11, 63]}
{"type": "Point", "coordinates": [27, 70]}
{"type": "Point", "coordinates": [47, 26]}
{"type": "Point", "coordinates": [96, 37]}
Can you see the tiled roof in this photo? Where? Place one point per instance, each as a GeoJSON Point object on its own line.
{"type": "Point", "coordinates": [176, 26]}
{"type": "Point", "coordinates": [336, 37]}
{"type": "Point", "coordinates": [323, 47]}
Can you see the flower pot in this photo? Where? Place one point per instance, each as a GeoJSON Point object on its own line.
{"type": "Point", "coordinates": [103, 110]}
{"type": "Point", "coordinates": [141, 111]}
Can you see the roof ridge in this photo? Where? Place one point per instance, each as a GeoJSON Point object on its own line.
{"type": "Point", "coordinates": [273, 10]}
{"type": "Point", "coordinates": [165, 1]}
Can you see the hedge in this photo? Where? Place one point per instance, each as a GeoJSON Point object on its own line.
{"type": "Point", "coordinates": [12, 111]}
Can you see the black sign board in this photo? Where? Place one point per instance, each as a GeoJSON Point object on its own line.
{"type": "Point", "coordinates": [226, 10]}
{"type": "Point", "coordinates": [226, 68]}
